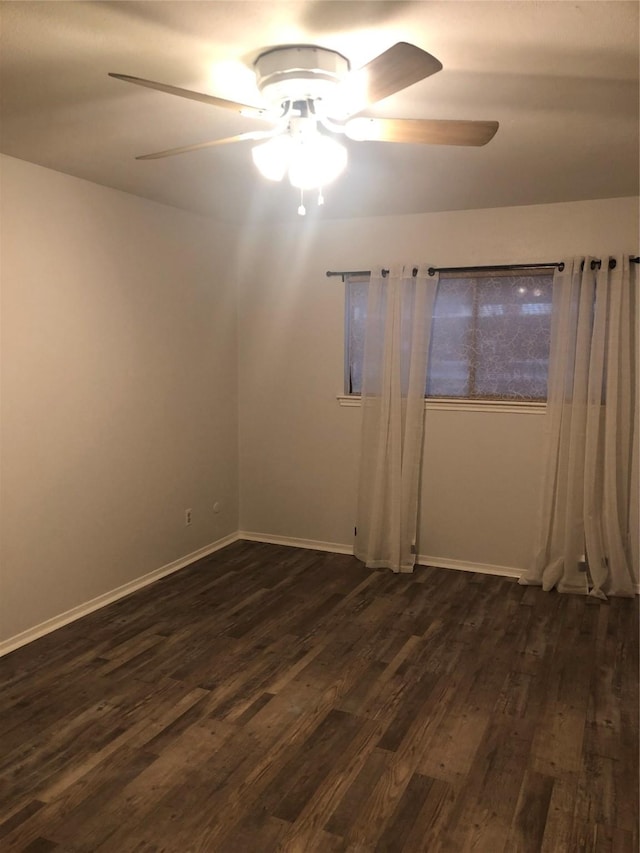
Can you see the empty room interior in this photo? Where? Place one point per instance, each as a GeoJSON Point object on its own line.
{"type": "Point", "coordinates": [319, 426]}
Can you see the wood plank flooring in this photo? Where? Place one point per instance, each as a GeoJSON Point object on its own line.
{"type": "Point", "coordinates": [276, 699]}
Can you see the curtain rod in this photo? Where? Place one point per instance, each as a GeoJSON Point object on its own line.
{"type": "Point", "coordinates": [432, 270]}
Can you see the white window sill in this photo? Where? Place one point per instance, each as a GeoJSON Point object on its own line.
{"type": "Point", "coordinates": [457, 405]}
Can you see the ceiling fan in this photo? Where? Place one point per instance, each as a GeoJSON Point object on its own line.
{"type": "Point", "coordinates": [311, 96]}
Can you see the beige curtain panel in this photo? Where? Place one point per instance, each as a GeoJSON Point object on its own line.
{"type": "Point", "coordinates": [399, 314]}
{"type": "Point", "coordinates": [588, 522]}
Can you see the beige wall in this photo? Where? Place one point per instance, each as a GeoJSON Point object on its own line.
{"type": "Point", "coordinates": [119, 390]}
{"type": "Point", "coordinates": [299, 448]}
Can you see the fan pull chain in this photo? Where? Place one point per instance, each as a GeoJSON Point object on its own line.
{"type": "Point", "coordinates": [302, 209]}
{"type": "Point", "coordinates": [320, 196]}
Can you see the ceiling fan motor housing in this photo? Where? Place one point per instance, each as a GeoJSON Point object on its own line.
{"type": "Point", "coordinates": [299, 73]}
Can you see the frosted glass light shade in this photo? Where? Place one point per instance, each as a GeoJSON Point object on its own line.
{"type": "Point", "coordinates": [272, 157]}
{"type": "Point", "coordinates": [312, 160]}
{"type": "Point", "coordinates": [315, 161]}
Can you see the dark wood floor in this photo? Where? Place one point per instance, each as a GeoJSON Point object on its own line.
{"type": "Point", "coordinates": [271, 698]}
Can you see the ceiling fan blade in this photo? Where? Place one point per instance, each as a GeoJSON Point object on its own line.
{"type": "Point", "coordinates": [390, 72]}
{"type": "Point", "coordinates": [251, 112]}
{"type": "Point", "coordinates": [185, 149]}
{"type": "Point", "coordinates": [421, 131]}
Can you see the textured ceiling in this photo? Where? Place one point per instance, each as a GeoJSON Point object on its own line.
{"type": "Point", "coordinates": [560, 77]}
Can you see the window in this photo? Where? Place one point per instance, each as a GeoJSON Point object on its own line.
{"type": "Point", "coordinates": [489, 339]}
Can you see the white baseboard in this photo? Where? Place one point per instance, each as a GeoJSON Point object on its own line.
{"type": "Point", "coordinates": [81, 610]}
{"type": "Point", "coordinates": [463, 566]}
{"type": "Point", "coordinates": [421, 560]}
{"type": "Point", "coordinates": [109, 597]}
{"type": "Point", "coordinates": [309, 544]}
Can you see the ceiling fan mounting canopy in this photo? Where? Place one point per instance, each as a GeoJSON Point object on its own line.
{"type": "Point", "coordinates": [299, 73]}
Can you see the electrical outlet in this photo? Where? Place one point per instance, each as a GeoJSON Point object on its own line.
{"type": "Point", "coordinates": [187, 517]}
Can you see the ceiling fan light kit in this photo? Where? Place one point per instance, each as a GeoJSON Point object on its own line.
{"type": "Point", "coordinates": [311, 96]}
{"type": "Point", "coordinates": [310, 159]}
{"type": "Point", "coordinates": [300, 81]}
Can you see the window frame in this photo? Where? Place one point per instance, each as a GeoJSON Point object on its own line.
{"type": "Point", "coordinates": [533, 405]}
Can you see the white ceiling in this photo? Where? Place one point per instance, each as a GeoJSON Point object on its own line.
{"type": "Point", "coordinates": [560, 77]}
